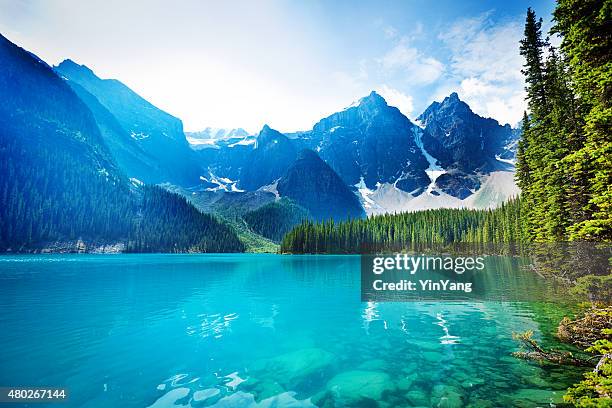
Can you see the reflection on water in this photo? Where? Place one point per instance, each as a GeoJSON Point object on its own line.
{"type": "Point", "coordinates": [262, 331]}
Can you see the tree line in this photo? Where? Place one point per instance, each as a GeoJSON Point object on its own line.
{"type": "Point", "coordinates": [410, 231]}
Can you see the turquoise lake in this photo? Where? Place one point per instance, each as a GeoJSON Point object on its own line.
{"type": "Point", "coordinates": [249, 330]}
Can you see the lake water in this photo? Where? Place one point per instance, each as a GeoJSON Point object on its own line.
{"type": "Point", "coordinates": [261, 331]}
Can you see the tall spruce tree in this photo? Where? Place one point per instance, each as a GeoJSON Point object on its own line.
{"type": "Point", "coordinates": [532, 46]}
{"type": "Point", "coordinates": [543, 147]}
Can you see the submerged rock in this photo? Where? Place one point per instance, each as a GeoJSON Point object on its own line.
{"type": "Point", "coordinates": [444, 396]}
{"type": "Point", "coordinates": [291, 368]}
{"type": "Point", "coordinates": [262, 389]}
{"type": "Point", "coordinates": [205, 394]}
{"type": "Point", "coordinates": [358, 386]}
{"type": "Point", "coordinates": [245, 400]}
{"type": "Point", "coordinates": [417, 398]}
{"type": "Point", "coordinates": [480, 403]}
{"type": "Point", "coordinates": [473, 383]}
{"type": "Point", "coordinates": [374, 365]}
{"type": "Point", "coordinates": [405, 383]}
{"type": "Point", "coordinates": [433, 357]}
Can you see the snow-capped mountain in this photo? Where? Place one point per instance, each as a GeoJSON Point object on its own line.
{"type": "Point", "coordinates": [453, 158]}
{"type": "Point", "coordinates": [466, 145]}
{"type": "Point", "coordinates": [217, 137]}
{"type": "Point", "coordinates": [373, 142]}
{"type": "Point", "coordinates": [216, 134]}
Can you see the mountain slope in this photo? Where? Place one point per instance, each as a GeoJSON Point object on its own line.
{"type": "Point", "coordinates": [158, 133]}
{"type": "Point", "coordinates": [314, 185]}
{"type": "Point", "coordinates": [130, 157]}
{"type": "Point", "coordinates": [59, 183]}
{"type": "Point", "coordinates": [459, 138]}
{"type": "Point", "coordinates": [58, 179]}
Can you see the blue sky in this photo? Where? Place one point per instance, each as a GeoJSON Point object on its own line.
{"type": "Point", "coordinates": [287, 63]}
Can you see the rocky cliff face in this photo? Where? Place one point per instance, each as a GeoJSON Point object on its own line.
{"type": "Point", "coordinates": [374, 142]}
{"type": "Point", "coordinates": [459, 138]}
{"type": "Point", "coordinates": [466, 145]}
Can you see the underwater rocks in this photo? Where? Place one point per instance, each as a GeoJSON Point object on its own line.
{"type": "Point", "coordinates": [244, 400]}
{"type": "Point", "coordinates": [357, 387]}
{"type": "Point", "coordinates": [203, 395]}
{"type": "Point", "coordinates": [291, 368]}
{"type": "Point", "coordinates": [444, 396]}
{"type": "Point", "coordinates": [417, 398]}
{"type": "Point", "coordinates": [431, 375]}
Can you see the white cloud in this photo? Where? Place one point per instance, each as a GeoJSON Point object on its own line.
{"type": "Point", "coordinates": [411, 63]}
{"type": "Point", "coordinates": [390, 32]}
{"type": "Point", "coordinates": [485, 66]}
{"type": "Point", "coordinates": [502, 102]}
{"type": "Point", "coordinates": [396, 98]}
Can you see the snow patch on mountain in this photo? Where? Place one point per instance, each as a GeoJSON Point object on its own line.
{"type": "Point", "coordinates": [222, 183]}
{"type": "Point", "coordinates": [136, 182]}
{"type": "Point", "coordinates": [497, 187]}
{"type": "Point", "coordinates": [249, 140]}
{"type": "Point", "coordinates": [434, 170]}
{"type": "Point", "coordinates": [271, 188]}
{"type": "Point", "coordinates": [364, 196]}
{"type": "Point", "coordinates": [199, 143]}
{"type": "Point", "coordinates": [509, 161]}
{"type": "Point", "coordinates": [138, 135]}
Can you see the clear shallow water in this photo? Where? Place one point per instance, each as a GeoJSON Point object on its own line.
{"type": "Point", "coordinates": [262, 331]}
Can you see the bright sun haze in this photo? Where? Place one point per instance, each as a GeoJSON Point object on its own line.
{"type": "Point", "coordinates": [243, 64]}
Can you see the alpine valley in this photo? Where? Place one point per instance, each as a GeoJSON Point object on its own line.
{"type": "Point", "coordinates": [68, 137]}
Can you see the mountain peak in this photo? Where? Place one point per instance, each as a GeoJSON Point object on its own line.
{"type": "Point", "coordinates": [450, 106]}
{"type": "Point", "coordinates": [454, 97]}
{"type": "Point", "coordinates": [72, 67]}
{"type": "Point", "coordinates": [268, 136]}
{"type": "Point", "coordinates": [373, 99]}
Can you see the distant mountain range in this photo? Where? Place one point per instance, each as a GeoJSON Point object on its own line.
{"type": "Point", "coordinates": [211, 134]}
{"type": "Point", "coordinates": [368, 158]}
{"type": "Point", "coordinates": [451, 157]}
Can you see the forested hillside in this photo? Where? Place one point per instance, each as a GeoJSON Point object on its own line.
{"type": "Point", "coordinates": [168, 223]}
{"type": "Point", "coordinates": [275, 219]}
{"type": "Point", "coordinates": [59, 183]}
